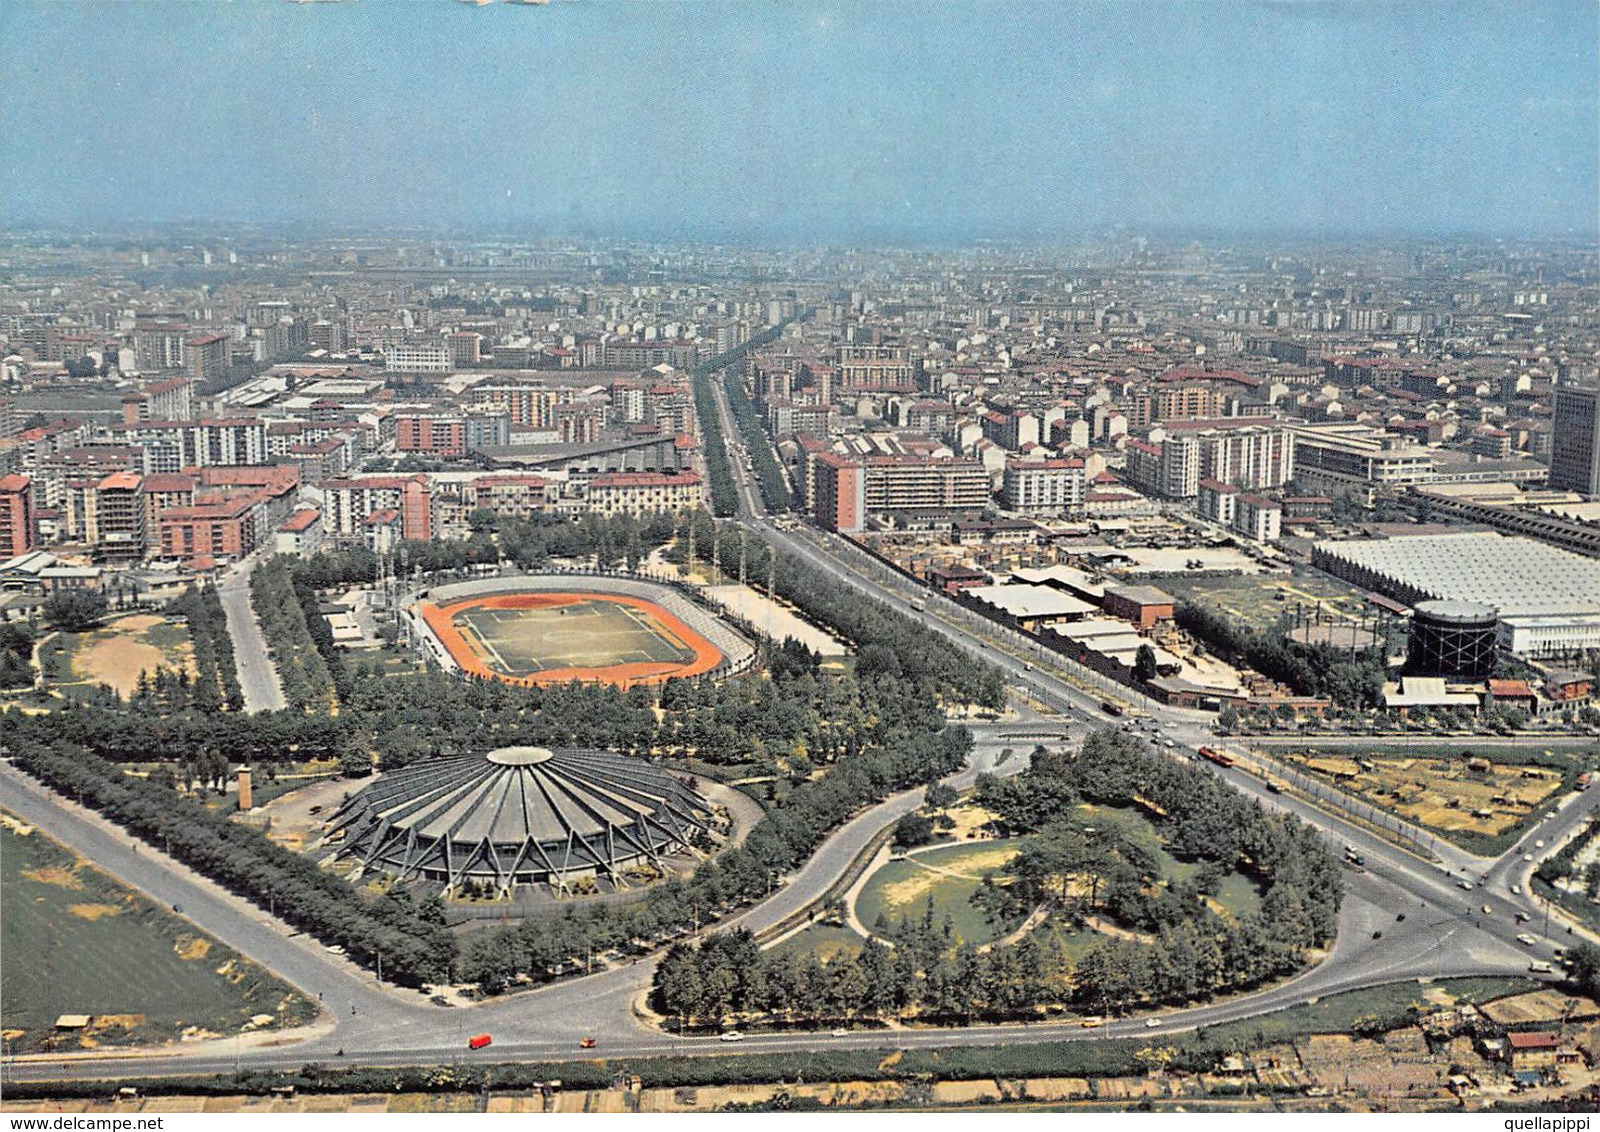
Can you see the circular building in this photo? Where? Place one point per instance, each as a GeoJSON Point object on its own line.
{"type": "Point", "coordinates": [519, 815]}
{"type": "Point", "coordinates": [1452, 638]}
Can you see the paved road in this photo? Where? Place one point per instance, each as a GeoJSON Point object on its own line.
{"type": "Point", "coordinates": [1443, 932]}
{"type": "Point", "coordinates": [258, 679]}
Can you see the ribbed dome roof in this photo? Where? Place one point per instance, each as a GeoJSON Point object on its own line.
{"type": "Point", "coordinates": [518, 815]}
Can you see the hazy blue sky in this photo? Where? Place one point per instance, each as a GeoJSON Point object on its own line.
{"type": "Point", "coordinates": [805, 120]}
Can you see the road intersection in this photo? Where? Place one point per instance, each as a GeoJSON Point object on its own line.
{"type": "Point", "coordinates": [1404, 916]}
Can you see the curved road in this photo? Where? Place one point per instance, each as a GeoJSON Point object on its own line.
{"type": "Point", "coordinates": [1444, 931]}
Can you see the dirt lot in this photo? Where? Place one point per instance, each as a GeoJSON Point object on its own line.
{"type": "Point", "coordinates": [1477, 796]}
{"type": "Point", "coordinates": [116, 654]}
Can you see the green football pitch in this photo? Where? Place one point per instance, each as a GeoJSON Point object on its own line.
{"type": "Point", "coordinates": [583, 634]}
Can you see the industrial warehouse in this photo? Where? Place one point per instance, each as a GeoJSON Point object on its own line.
{"type": "Point", "coordinates": [1546, 601]}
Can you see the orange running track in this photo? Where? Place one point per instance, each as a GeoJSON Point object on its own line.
{"type": "Point", "coordinates": [441, 619]}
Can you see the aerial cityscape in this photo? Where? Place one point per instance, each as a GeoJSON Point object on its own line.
{"type": "Point", "coordinates": [575, 557]}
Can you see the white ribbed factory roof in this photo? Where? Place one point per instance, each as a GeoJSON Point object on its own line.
{"type": "Point", "coordinates": [1517, 576]}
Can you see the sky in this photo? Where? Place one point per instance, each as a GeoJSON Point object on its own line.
{"type": "Point", "coordinates": [785, 120]}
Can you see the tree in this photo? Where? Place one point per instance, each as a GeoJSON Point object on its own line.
{"type": "Point", "coordinates": [913, 830]}
{"type": "Point", "coordinates": [74, 611]}
{"type": "Point", "coordinates": [1583, 968]}
{"type": "Point", "coordinates": [939, 797]}
{"type": "Point", "coordinates": [1144, 664]}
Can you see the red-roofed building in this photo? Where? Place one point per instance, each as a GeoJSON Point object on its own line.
{"type": "Point", "coordinates": [300, 533]}
{"type": "Point", "coordinates": [226, 529]}
{"type": "Point", "coordinates": [1513, 694]}
{"type": "Point", "coordinates": [17, 533]}
{"type": "Point", "coordinates": [1531, 1051]}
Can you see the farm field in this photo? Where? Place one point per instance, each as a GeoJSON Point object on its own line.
{"type": "Point", "coordinates": [549, 638]}
{"type": "Point", "coordinates": [1480, 799]}
{"type": "Point", "coordinates": [117, 652]}
{"type": "Point", "coordinates": [77, 942]}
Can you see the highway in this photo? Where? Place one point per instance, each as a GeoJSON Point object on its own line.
{"type": "Point", "coordinates": [1404, 916]}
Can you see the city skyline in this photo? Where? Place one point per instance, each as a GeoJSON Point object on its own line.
{"type": "Point", "coordinates": [808, 122]}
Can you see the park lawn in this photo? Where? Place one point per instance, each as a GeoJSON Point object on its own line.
{"type": "Point", "coordinates": [78, 942]}
{"type": "Point", "coordinates": [826, 941]}
{"type": "Point", "coordinates": [950, 875]}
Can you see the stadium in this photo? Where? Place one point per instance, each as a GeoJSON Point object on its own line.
{"type": "Point", "coordinates": [552, 629]}
{"type": "Point", "coordinates": [520, 816]}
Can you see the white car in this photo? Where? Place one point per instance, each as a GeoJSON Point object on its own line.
{"type": "Point", "coordinates": [1527, 856]}
{"type": "Point", "coordinates": [731, 1036]}
{"type": "Point", "coordinates": [838, 1033]}
{"type": "Point", "coordinates": [1151, 1023]}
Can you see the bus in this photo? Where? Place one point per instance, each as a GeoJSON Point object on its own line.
{"type": "Point", "coordinates": [1221, 758]}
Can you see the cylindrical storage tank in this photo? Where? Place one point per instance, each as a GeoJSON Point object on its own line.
{"type": "Point", "coordinates": [1452, 638]}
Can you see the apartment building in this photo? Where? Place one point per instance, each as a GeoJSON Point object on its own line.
{"type": "Point", "coordinates": [1043, 487]}
{"type": "Point", "coordinates": [642, 493]}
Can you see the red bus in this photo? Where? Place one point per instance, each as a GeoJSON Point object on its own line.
{"type": "Point", "coordinates": [1221, 758]}
{"type": "Point", "coordinates": [479, 1041]}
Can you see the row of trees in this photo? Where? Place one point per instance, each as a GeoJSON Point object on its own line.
{"type": "Point", "coordinates": [775, 491]}
{"type": "Point", "coordinates": [1074, 867]}
{"type": "Point", "coordinates": [415, 945]}
{"type": "Point", "coordinates": [1350, 678]}
{"type": "Point", "coordinates": [719, 468]}
{"type": "Point", "coordinates": [216, 682]}
{"type": "Point", "coordinates": [302, 672]}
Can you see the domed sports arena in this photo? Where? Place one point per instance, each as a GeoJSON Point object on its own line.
{"type": "Point", "coordinates": [519, 815]}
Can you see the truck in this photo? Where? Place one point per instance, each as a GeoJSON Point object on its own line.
{"type": "Point", "coordinates": [478, 1041]}
{"type": "Point", "coordinates": [919, 604]}
{"type": "Point", "coordinates": [1221, 758]}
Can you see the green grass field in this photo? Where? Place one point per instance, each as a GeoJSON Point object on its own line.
{"type": "Point", "coordinates": [950, 875]}
{"type": "Point", "coordinates": [77, 942]}
{"type": "Point", "coordinates": [585, 634]}
{"type": "Point", "coordinates": [826, 941]}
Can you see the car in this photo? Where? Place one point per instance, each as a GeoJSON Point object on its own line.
{"type": "Point", "coordinates": [1466, 884]}
{"type": "Point", "coordinates": [1527, 856]}
{"type": "Point", "coordinates": [1538, 844]}
{"type": "Point", "coordinates": [178, 908]}
{"type": "Point", "coordinates": [1377, 935]}
{"type": "Point", "coordinates": [841, 1033]}
{"type": "Point", "coordinates": [1151, 1023]}
{"type": "Point", "coordinates": [1539, 968]}
{"type": "Point", "coordinates": [1488, 911]}
{"type": "Point", "coordinates": [1516, 890]}
{"type": "Point", "coordinates": [1523, 917]}
{"type": "Point", "coordinates": [731, 1036]}
{"type": "Point", "coordinates": [1093, 1023]}
{"type": "Point", "coordinates": [1400, 918]}
{"type": "Point", "coordinates": [334, 949]}
{"type": "Point", "coordinates": [1527, 940]}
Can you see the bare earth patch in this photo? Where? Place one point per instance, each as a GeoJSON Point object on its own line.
{"type": "Point", "coordinates": [190, 948]}
{"type": "Point", "coordinates": [56, 875]}
{"type": "Point", "coordinates": [117, 661]}
{"type": "Point", "coordinates": [93, 911]}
